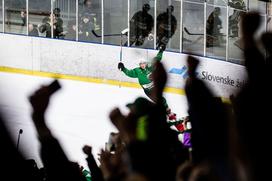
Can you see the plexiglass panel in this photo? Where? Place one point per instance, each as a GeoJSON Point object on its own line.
{"type": "Point", "coordinates": [15, 16]}
{"type": "Point", "coordinates": [168, 24]}
{"type": "Point", "coordinates": [64, 19]}
{"type": "Point", "coordinates": [217, 2]}
{"type": "Point", "coordinates": [208, 28]}
{"type": "Point", "coordinates": [89, 21]}
{"type": "Point", "coordinates": [256, 5]}
{"type": "Point", "coordinates": [216, 30]}
{"type": "Point", "coordinates": [193, 28]}
{"type": "Point", "coordinates": [115, 20]}
{"type": "Point", "coordinates": [1, 17]}
{"type": "Point", "coordinates": [39, 22]}
{"type": "Point", "coordinates": [141, 23]}
{"type": "Point", "coordinates": [269, 16]}
{"type": "Point", "coordinates": [235, 47]}
{"type": "Point", "coordinates": [198, 1]}
{"type": "Point", "coordinates": [239, 4]}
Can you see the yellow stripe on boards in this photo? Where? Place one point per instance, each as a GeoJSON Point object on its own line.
{"type": "Point", "coordinates": [89, 79]}
{"type": "Point", "coordinates": [69, 77]}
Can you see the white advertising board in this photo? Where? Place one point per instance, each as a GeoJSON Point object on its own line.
{"type": "Point", "coordinates": [100, 61]}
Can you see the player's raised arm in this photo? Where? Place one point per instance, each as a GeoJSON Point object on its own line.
{"type": "Point", "coordinates": [130, 73]}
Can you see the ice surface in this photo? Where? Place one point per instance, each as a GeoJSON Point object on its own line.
{"type": "Point", "coordinates": [78, 113]}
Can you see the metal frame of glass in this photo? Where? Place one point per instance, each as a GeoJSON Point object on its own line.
{"type": "Point", "coordinates": [229, 9]}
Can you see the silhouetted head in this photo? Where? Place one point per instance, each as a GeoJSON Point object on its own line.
{"type": "Point", "coordinates": [184, 171]}
{"type": "Point", "coordinates": [140, 106]}
{"type": "Point", "coordinates": [170, 9]}
{"type": "Point", "coordinates": [146, 8]}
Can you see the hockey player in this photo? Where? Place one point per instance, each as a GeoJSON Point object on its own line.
{"type": "Point", "coordinates": [239, 8]}
{"type": "Point", "coordinates": [166, 27]}
{"type": "Point", "coordinates": [143, 73]}
{"type": "Point", "coordinates": [213, 28]}
{"type": "Point", "coordinates": [183, 127]}
{"type": "Point", "coordinates": [141, 25]}
{"type": "Point", "coordinates": [237, 4]}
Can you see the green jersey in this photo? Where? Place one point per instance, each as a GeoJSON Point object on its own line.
{"type": "Point", "coordinates": [143, 75]}
{"type": "Point", "coordinates": [87, 175]}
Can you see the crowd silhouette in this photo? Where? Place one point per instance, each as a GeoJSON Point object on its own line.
{"type": "Point", "coordinates": [229, 141]}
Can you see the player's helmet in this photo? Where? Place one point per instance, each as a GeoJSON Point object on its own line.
{"type": "Point", "coordinates": [146, 7]}
{"type": "Point", "coordinates": [142, 62]}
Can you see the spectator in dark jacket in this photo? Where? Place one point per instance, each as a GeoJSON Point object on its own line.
{"type": "Point", "coordinates": [57, 25]}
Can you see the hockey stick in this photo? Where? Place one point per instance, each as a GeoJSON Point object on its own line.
{"type": "Point", "coordinates": [121, 55]}
{"type": "Point", "coordinates": [99, 36]}
{"type": "Point", "coordinates": [186, 30]}
{"type": "Point", "coordinates": [201, 34]}
{"type": "Point", "coordinates": [121, 51]}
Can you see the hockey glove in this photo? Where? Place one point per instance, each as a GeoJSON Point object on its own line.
{"type": "Point", "coordinates": [121, 66]}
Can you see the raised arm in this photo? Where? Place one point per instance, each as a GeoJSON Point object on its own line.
{"type": "Point", "coordinates": [96, 173]}
{"type": "Point", "coordinates": [54, 159]}
{"type": "Point", "coordinates": [156, 59]}
{"type": "Point", "coordinates": [130, 73]}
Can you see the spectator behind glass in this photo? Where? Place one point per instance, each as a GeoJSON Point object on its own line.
{"type": "Point", "coordinates": [141, 25]}
{"type": "Point", "coordinates": [57, 25]}
{"type": "Point", "coordinates": [88, 20]}
{"type": "Point", "coordinates": [89, 8]}
{"type": "Point", "coordinates": [23, 17]}
{"type": "Point", "coordinates": [85, 27]}
{"type": "Point", "coordinates": [214, 26]}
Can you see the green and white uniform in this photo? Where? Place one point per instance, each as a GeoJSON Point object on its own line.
{"type": "Point", "coordinates": [144, 77]}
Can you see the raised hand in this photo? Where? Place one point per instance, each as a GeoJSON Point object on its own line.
{"type": "Point", "coordinates": [87, 150]}
{"type": "Point", "coordinates": [125, 125]}
{"type": "Point", "coordinates": [121, 66]}
{"type": "Point", "coordinates": [106, 164]}
{"type": "Point", "coordinates": [40, 99]}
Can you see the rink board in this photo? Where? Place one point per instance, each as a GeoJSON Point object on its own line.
{"type": "Point", "coordinates": [98, 61]}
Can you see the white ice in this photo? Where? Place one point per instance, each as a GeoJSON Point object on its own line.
{"type": "Point", "coordinates": [77, 115]}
